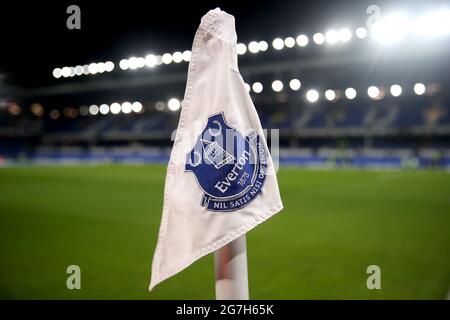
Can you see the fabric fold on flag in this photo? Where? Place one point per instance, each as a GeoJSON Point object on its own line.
{"type": "Point", "coordinates": [220, 181]}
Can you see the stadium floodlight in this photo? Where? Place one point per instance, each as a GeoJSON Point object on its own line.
{"type": "Point", "coordinates": [331, 36]}
{"type": "Point", "coordinates": [350, 93]}
{"type": "Point", "coordinates": [277, 85]}
{"type": "Point", "coordinates": [124, 64]}
{"type": "Point", "coordinates": [65, 72]}
{"type": "Point", "coordinates": [109, 66]}
{"type": "Point", "coordinates": [253, 47]}
{"type": "Point", "coordinates": [330, 95]}
{"type": "Point", "coordinates": [100, 67]}
{"type": "Point", "coordinates": [247, 87]}
{"type": "Point", "coordinates": [295, 84]}
{"type": "Point", "coordinates": [136, 106]}
{"type": "Point", "coordinates": [159, 60]}
{"type": "Point", "coordinates": [391, 29]}
{"type": "Point", "coordinates": [174, 104]}
{"type": "Point", "coordinates": [396, 90]}
{"type": "Point", "coordinates": [289, 42]}
{"type": "Point", "coordinates": [72, 71]}
{"type": "Point", "coordinates": [318, 38]}
{"type": "Point", "coordinates": [133, 63]}
{"type": "Point", "coordinates": [177, 57]}
{"type": "Point", "coordinates": [151, 60]}
{"type": "Point", "coordinates": [85, 69]}
{"type": "Point", "coordinates": [115, 108]}
{"type": "Point", "coordinates": [257, 87]}
{"type": "Point", "coordinates": [361, 32]}
{"type": "Point", "coordinates": [79, 70]}
{"type": "Point", "coordinates": [93, 109]}
{"type": "Point", "coordinates": [241, 48]}
{"type": "Point", "coordinates": [93, 68]}
{"type": "Point", "coordinates": [419, 89]}
{"type": "Point", "coordinates": [345, 35]}
{"type": "Point", "coordinates": [433, 23]}
{"type": "Point", "coordinates": [126, 107]}
{"type": "Point", "coordinates": [57, 73]}
{"type": "Point", "coordinates": [187, 55]}
{"type": "Point", "coordinates": [302, 40]}
{"type": "Point", "coordinates": [166, 58]}
{"type": "Point", "coordinates": [312, 95]}
{"type": "Point", "coordinates": [278, 43]}
{"type": "Point", "coordinates": [104, 109]}
{"type": "Point", "coordinates": [373, 92]}
{"type": "Point", "coordinates": [263, 46]}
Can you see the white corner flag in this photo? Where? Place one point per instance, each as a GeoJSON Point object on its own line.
{"type": "Point", "coordinates": [220, 180]}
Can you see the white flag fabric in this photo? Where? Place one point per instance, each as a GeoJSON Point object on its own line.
{"type": "Point", "coordinates": [220, 180]}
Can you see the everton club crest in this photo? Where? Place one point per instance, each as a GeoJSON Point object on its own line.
{"type": "Point", "coordinates": [230, 168]}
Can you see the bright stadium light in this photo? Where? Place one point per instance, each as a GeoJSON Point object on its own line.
{"type": "Point", "coordinates": [345, 35]}
{"type": "Point", "coordinates": [295, 84]}
{"type": "Point", "coordinates": [78, 70]}
{"type": "Point", "coordinates": [391, 29]}
{"type": "Point", "coordinates": [136, 106]}
{"type": "Point", "coordinates": [278, 43]}
{"type": "Point", "coordinates": [115, 108]}
{"type": "Point", "coordinates": [166, 58]}
{"type": "Point", "coordinates": [109, 66]}
{"type": "Point", "coordinates": [318, 38]}
{"type": "Point", "coordinates": [174, 104]}
{"type": "Point", "coordinates": [93, 109]}
{"type": "Point", "coordinates": [57, 73]}
{"type": "Point", "coordinates": [350, 93]}
{"type": "Point", "coordinates": [104, 109]}
{"type": "Point", "coordinates": [126, 107]}
{"type": "Point", "coordinates": [331, 36]}
{"type": "Point", "coordinates": [177, 57]}
{"type": "Point", "coordinates": [133, 63]}
{"type": "Point", "coordinates": [312, 95]}
{"type": "Point", "coordinates": [263, 46]}
{"type": "Point", "coordinates": [65, 72]}
{"type": "Point", "coordinates": [302, 40]}
{"type": "Point", "coordinates": [330, 95]}
{"type": "Point", "coordinates": [85, 69]}
{"type": "Point", "coordinates": [93, 69]}
{"type": "Point", "coordinates": [433, 24]}
{"type": "Point", "coordinates": [247, 87]}
{"type": "Point", "coordinates": [241, 48]}
{"type": "Point", "coordinates": [396, 90]}
{"type": "Point", "coordinates": [187, 55]}
{"type": "Point", "coordinates": [151, 60]}
{"type": "Point", "coordinates": [100, 67]}
{"type": "Point", "coordinates": [419, 89]}
{"type": "Point", "coordinates": [124, 64]}
{"type": "Point", "coordinates": [257, 87]}
{"type": "Point", "coordinates": [373, 92]}
{"type": "Point", "coordinates": [277, 85]}
{"type": "Point", "coordinates": [361, 32]}
{"type": "Point", "coordinates": [289, 42]}
{"type": "Point", "coordinates": [253, 47]}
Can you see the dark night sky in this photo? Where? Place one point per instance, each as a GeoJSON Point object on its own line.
{"type": "Point", "coordinates": [34, 38]}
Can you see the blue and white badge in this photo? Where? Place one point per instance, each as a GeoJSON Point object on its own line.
{"type": "Point", "coordinates": [230, 168]}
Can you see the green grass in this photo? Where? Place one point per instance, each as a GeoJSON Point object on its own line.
{"type": "Point", "coordinates": [335, 223]}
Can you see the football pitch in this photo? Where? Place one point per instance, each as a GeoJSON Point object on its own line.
{"type": "Point", "coordinates": [335, 224]}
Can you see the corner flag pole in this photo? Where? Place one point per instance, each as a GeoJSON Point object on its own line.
{"type": "Point", "coordinates": [231, 271]}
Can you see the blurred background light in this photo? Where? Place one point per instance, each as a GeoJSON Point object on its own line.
{"type": "Point", "coordinates": [312, 95]}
